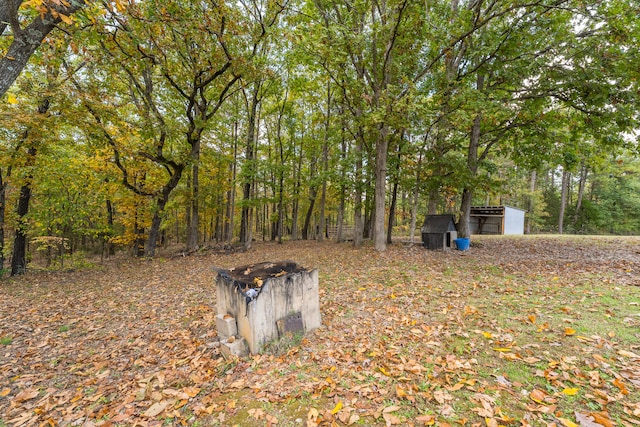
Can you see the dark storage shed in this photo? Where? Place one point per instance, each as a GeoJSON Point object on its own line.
{"type": "Point", "coordinates": [439, 231]}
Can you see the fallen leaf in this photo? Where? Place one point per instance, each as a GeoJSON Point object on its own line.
{"type": "Point", "coordinates": [400, 392]}
{"type": "Point", "coordinates": [5, 392]}
{"type": "Point", "coordinates": [337, 408]}
{"type": "Point", "coordinates": [626, 353]}
{"type": "Point", "coordinates": [384, 371]}
{"type": "Point", "coordinates": [312, 416]}
{"type": "Point", "coordinates": [491, 422]}
{"type": "Point", "coordinates": [25, 395]}
{"type": "Point", "coordinates": [538, 395]}
{"type": "Point", "coordinates": [156, 409]}
{"type": "Point", "coordinates": [391, 419]}
{"type": "Point", "coordinates": [427, 419]}
{"type": "Point", "coordinates": [570, 391]}
{"type": "Point", "coordinates": [192, 391]}
{"type": "Point", "coordinates": [567, 422]}
{"type": "Point", "coordinates": [585, 420]}
{"type": "Point", "coordinates": [569, 331]}
{"type": "Point", "coordinates": [602, 418]}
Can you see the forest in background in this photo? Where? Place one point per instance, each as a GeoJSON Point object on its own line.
{"type": "Point", "coordinates": [145, 123]}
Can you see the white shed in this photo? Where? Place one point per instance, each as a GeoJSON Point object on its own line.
{"type": "Point", "coordinates": [496, 220]}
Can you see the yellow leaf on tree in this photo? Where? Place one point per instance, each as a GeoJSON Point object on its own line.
{"type": "Point", "coordinates": [570, 391]}
{"type": "Point", "coordinates": [66, 19]}
{"type": "Point", "coordinates": [337, 408]}
{"type": "Point", "coordinates": [120, 6]}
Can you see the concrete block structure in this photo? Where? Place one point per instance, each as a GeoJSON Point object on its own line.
{"type": "Point", "coordinates": [267, 300]}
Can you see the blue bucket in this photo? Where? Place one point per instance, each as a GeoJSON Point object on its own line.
{"type": "Point", "coordinates": [462, 243]}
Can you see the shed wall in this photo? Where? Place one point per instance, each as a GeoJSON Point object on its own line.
{"type": "Point", "coordinates": [513, 221]}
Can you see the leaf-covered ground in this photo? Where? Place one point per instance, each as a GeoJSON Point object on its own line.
{"type": "Point", "coordinates": [517, 331]}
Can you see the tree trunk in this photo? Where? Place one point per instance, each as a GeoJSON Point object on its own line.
{"type": "Point", "coordinates": [161, 203]}
{"type": "Point", "coordinates": [3, 201]}
{"type": "Point", "coordinates": [313, 192]}
{"type": "Point", "coordinates": [464, 229]}
{"type": "Point", "coordinates": [325, 164]}
{"type": "Point", "coordinates": [382, 148]}
{"type": "Point", "coordinates": [358, 223]}
{"type": "Point", "coordinates": [530, 207]}
{"type": "Point", "coordinates": [563, 199]}
{"type": "Point", "coordinates": [245, 224]}
{"type": "Point", "coordinates": [19, 257]}
{"type": "Point", "coordinates": [583, 180]}
{"type": "Point", "coordinates": [343, 191]}
{"type": "Point", "coordinates": [110, 214]}
{"type": "Point", "coordinates": [193, 226]}
{"type": "Point", "coordinates": [432, 204]}
{"type": "Point", "coordinates": [394, 193]}
{"type": "Point", "coordinates": [231, 193]}
{"type": "Point", "coordinates": [414, 201]}
{"type": "Point", "coordinates": [296, 198]}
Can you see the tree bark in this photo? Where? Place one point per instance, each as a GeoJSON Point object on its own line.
{"type": "Point", "coordinates": [27, 40]}
{"type": "Point", "coordinates": [161, 203]}
{"type": "Point", "coordinates": [358, 223]}
{"type": "Point", "coordinates": [231, 193]}
{"type": "Point", "coordinates": [110, 214]}
{"type": "Point", "coordinates": [343, 190]}
{"type": "Point", "coordinates": [193, 226]}
{"type": "Point", "coordinates": [313, 193]}
{"type": "Point", "coordinates": [394, 192]}
{"type": "Point", "coordinates": [564, 189]}
{"type": "Point", "coordinates": [3, 201]}
{"type": "Point", "coordinates": [325, 165]}
{"type": "Point", "coordinates": [296, 196]}
{"type": "Point", "coordinates": [464, 228]}
{"type": "Point", "coordinates": [584, 171]}
{"type": "Point", "coordinates": [19, 256]}
{"type": "Point", "coordinates": [530, 207]}
{"type": "Point", "coordinates": [245, 220]}
{"type": "Point", "coordinates": [382, 148]}
{"type": "Point", "coordinates": [414, 201]}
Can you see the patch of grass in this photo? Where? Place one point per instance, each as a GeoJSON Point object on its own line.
{"type": "Point", "coordinates": [6, 341]}
{"type": "Point", "coordinates": [64, 328]}
{"type": "Point", "coordinates": [283, 344]}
